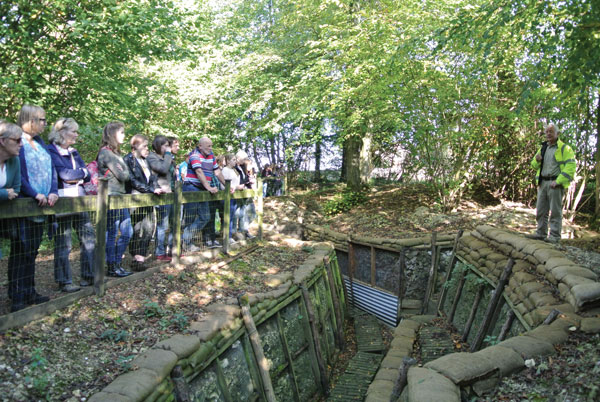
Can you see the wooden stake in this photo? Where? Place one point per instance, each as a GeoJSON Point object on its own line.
{"type": "Point", "coordinates": [263, 365]}
{"type": "Point", "coordinates": [100, 250]}
{"type": "Point", "coordinates": [259, 208]}
{"type": "Point", "coordinates": [316, 340]}
{"type": "Point", "coordinates": [510, 317]}
{"type": "Point", "coordinates": [474, 308]}
{"type": "Point", "coordinates": [180, 385]}
{"type": "Point", "coordinates": [491, 308]}
{"type": "Point", "coordinates": [432, 270]}
{"type": "Point", "coordinates": [402, 379]}
{"type": "Point", "coordinates": [453, 261]}
{"type": "Point", "coordinates": [551, 317]}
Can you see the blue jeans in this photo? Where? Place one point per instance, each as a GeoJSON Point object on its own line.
{"type": "Point", "coordinates": [117, 219]}
{"type": "Point", "coordinates": [163, 214]}
{"type": "Point", "coordinates": [21, 263]}
{"type": "Point", "coordinates": [62, 247]}
{"type": "Point", "coordinates": [232, 217]}
{"type": "Point", "coordinates": [195, 216]}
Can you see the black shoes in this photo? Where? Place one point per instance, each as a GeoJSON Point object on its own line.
{"type": "Point", "coordinates": [85, 282]}
{"type": "Point", "coordinates": [117, 271]}
{"type": "Point", "coordinates": [37, 298]}
{"type": "Point", "coordinates": [16, 306]}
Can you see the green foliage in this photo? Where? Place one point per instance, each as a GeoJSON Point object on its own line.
{"type": "Point", "coordinates": [491, 340]}
{"type": "Point", "coordinates": [38, 376]}
{"type": "Point", "coordinates": [115, 335]}
{"type": "Point", "coordinates": [153, 309]}
{"type": "Point", "coordinates": [344, 202]}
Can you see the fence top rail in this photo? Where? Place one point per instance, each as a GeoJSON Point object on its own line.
{"type": "Point", "coordinates": [27, 207]}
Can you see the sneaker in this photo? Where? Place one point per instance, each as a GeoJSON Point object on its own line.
{"type": "Point", "coordinates": [534, 236]}
{"type": "Point", "coordinates": [193, 248]}
{"type": "Point", "coordinates": [215, 244]}
{"type": "Point", "coordinates": [85, 282]}
{"type": "Point", "coordinates": [232, 241]}
{"type": "Point", "coordinates": [249, 236]}
{"type": "Point", "coordinates": [552, 240]}
{"type": "Point", "coordinates": [69, 288]}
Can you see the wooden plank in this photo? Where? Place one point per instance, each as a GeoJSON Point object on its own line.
{"type": "Point", "coordinates": [459, 288]}
{"type": "Point", "coordinates": [100, 247]}
{"type": "Point", "coordinates": [263, 364]}
{"type": "Point", "coordinates": [401, 282]}
{"type": "Point", "coordinates": [222, 382]}
{"type": "Point", "coordinates": [491, 308]}
{"type": "Point", "coordinates": [252, 365]}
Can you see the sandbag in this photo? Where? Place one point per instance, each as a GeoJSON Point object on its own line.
{"type": "Point", "coordinates": [463, 368]}
{"type": "Point", "coordinates": [586, 294]}
{"type": "Point", "coordinates": [528, 347]}
{"type": "Point", "coordinates": [428, 385]}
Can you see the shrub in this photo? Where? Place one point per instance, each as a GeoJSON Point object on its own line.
{"type": "Point", "coordinates": [344, 202]}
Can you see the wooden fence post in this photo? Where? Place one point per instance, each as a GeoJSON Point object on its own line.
{"type": "Point", "coordinates": [263, 366]}
{"type": "Point", "coordinates": [432, 274]}
{"type": "Point", "coordinates": [491, 308]}
{"type": "Point", "coordinates": [351, 267]}
{"type": "Point", "coordinates": [259, 208]}
{"type": "Point", "coordinates": [226, 216]}
{"type": "Point", "coordinates": [176, 248]}
{"type": "Point", "coordinates": [451, 266]}
{"type": "Point", "coordinates": [100, 249]}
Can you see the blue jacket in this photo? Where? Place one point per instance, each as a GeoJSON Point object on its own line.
{"type": "Point", "coordinates": [13, 177]}
{"type": "Point", "coordinates": [26, 189]}
{"type": "Point", "coordinates": [64, 166]}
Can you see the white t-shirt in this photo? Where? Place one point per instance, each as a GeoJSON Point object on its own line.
{"type": "Point", "coordinates": [3, 176]}
{"type": "Point", "coordinates": [230, 174]}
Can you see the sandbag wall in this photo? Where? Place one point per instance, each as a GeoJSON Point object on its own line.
{"type": "Point", "coordinates": [216, 361]}
{"type": "Point", "coordinates": [542, 278]}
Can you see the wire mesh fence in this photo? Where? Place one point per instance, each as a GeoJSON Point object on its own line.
{"type": "Point", "coordinates": [78, 243]}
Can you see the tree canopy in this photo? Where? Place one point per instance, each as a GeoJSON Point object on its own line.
{"type": "Point", "coordinates": [454, 92]}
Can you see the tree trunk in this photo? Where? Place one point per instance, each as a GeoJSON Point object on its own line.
{"type": "Point", "coordinates": [344, 168]}
{"type": "Point", "coordinates": [357, 160]}
{"type": "Point", "coordinates": [318, 153]}
{"type": "Point", "coordinates": [598, 158]}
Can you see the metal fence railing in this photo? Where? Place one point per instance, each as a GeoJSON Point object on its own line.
{"type": "Point", "coordinates": [43, 247]}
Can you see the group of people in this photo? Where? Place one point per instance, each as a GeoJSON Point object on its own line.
{"type": "Point", "coordinates": [272, 180]}
{"type": "Point", "coordinates": [31, 168]}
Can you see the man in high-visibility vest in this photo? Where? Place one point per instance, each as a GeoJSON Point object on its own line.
{"type": "Point", "coordinates": [555, 164]}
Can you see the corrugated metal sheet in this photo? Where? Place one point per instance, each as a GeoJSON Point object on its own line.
{"type": "Point", "coordinates": [377, 302]}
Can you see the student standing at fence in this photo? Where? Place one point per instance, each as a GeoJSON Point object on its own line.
{"type": "Point", "coordinates": [112, 167]}
{"type": "Point", "coordinates": [38, 181]}
{"type": "Point", "coordinates": [72, 173]}
{"type": "Point", "coordinates": [245, 207]}
{"type": "Point", "coordinates": [230, 173]}
{"type": "Point", "coordinates": [143, 181]}
{"type": "Point", "coordinates": [10, 186]}
{"type": "Point", "coordinates": [162, 165]}
{"type": "Point", "coordinates": [202, 167]}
